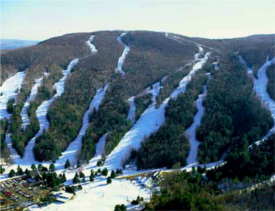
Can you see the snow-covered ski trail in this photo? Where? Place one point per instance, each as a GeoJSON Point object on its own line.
{"type": "Point", "coordinates": [24, 112]}
{"type": "Point", "coordinates": [149, 122]}
{"type": "Point", "coordinates": [75, 146]}
{"type": "Point", "coordinates": [9, 90]}
{"type": "Point", "coordinates": [260, 85]}
{"type": "Point", "coordinates": [191, 131]}
{"type": "Point", "coordinates": [91, 45]}
{"type": "Point", "coordinates": [132, 111]}
{"type": "Point", "coordinates": [123, 56]}
{"type": "Point", "coordinates": [41, 114]}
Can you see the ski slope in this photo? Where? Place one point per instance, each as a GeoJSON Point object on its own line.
{"type": "Point", "coordinates": [123, 56]}
{"type": "Point", "coordinates": [24, 113]}
{"type": "Point", "coordinates": [41, 114]}
{"type": "Point", "coordinates": [149, 122]}
{"type": "Point", "coordinates": [132, 111]}
{"type": "Point", "coordinates": [9, 90]}
{"type": "Point", "coordinates": [191, 131]}
{"type": "Point", "coordinates": [91, 45]}
{"type": "Point", "coordinates": [248, 69]}
{"type": "Point", "coordinates": [260, 85]}
{"type": "Point", "coordinates": [72, 152]}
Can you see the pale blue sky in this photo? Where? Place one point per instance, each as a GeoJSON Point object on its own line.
{"type": "Point", "coordinates": [38, 19]}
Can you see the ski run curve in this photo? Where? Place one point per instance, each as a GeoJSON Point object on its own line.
{"type": "Point", "coordinates": [41, 114]}
{"type": "Point", "coordinates": [91, 46]}
{"type": "Point", "coordinates": [191, 131]}
{"type": "Point", "coordinates": [24, 113]}
{"type": "Point", "coordinates": [260, 85]}
{"type": "Point", "coordinates": [123, 56]}
{"type": "Point", "coordinates": [149, 122]}
{"type": "Point", "coordinates": [71, 152]}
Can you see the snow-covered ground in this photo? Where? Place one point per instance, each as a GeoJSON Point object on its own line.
{"type": "Point", "coordinates": [191, 131]}
{"type": "Point", "coordinates": [132, 111]}
{"type": "Point", "coordinates": [149, 122]}
{"type": "Point", "coordinates": [197, 55]}
{"type": "Point", "coordinates": [24, 112]}
{"type": "Point", "coordinates": [123, 56]}
{"type": "Point", "coordinates": [9, 90]}
{"type": "Point", "coordinates": [91, 45]}
{"type": "Point", "coordinates": [99, 196]}
{"type": "Point", "coordinates": [41, 114]}
{"type": "Point", "coordinates": [260, 85]}
{"type": "Point", "coordinates": [74, 148]}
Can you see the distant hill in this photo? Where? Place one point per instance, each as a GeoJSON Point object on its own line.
{"type": "Point", "coordinates": [13, 43]}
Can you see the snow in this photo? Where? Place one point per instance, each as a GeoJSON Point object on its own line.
{"type": "Point", "coordinates": [191, 131]}
{"type": "Point", "coordinates": [41, 114]}
{"type": "Point", "coordinates": [132, 111]}
{"type": "Point", "coordinates": [24, 112]}
{"type": "Point", "coordinates": [10, 89]}
{"type": "Point", "coordinates": [260, 85]}
{"type": "Point", "coordinates": [91, 46]}
{"type": "Point", "coordinates": [197, 55]}
{"type": "Point", "coordinates": [102, 197]}
{"type": "Point", "coordinates": [123, 56]}
{"type": "Point", "coordinates": [75, 146]}
{"type": "Point", "coordinates": [149, 122]}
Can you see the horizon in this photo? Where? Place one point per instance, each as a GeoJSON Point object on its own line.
{"type": "Point", "coordinates": [189, 18]}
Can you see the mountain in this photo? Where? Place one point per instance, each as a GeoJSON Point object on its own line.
{"type": "Point", "coordinates": [14, 43]}
{"type": "Point", "coordinates": [142, 101]}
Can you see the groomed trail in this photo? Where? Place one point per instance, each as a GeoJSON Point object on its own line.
{"type": "Point", "coordinates": [260, 87]}
{"type": "Point", "coordinates": [123, 56]}
{"type": "Point", "coordinates": [191, 131]}
{"type": "Point", "coordinates": [24, 113]}
{"type": "Point", "coordinates": [91, 45]}
{"type": "Point", "coordinates": [149, 122]}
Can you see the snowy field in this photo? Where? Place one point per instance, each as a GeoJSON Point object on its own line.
{"type": "Point", "coordinates": [132, 111]}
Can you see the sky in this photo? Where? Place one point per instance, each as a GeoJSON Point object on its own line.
{"type": "Point", "coordinates": [42, 19]}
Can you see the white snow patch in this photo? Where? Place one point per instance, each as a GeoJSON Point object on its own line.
{"type": "Point", "coordinates": [24, 112]}
{"type": "Point", "coordinates": [91, 46]}
{"type": "Point", "coordinates": [197, 55]}
{"type": "Point", "coordinates": [9, 90]}
{"type": "Point", "coordinates": [41, 114]}
{"type": "Point", "coordinates": [123, 56]}
{"type": "Point", "coordinates": [132, 111]}
{"type": "Point", "coordinates": [75, 146]}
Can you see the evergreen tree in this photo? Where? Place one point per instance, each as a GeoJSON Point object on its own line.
{"type": "Point", "coordinates": [75, 179]}
{"type": "Point", "coordinates": [33, 167]}
{"type": "Point", "coordinates": [12, 173]}
{"type": "Point", "coordinates": [113, 174]}
{"type": "Point", "coordinates": [19, 171]}
{"type": "Point", "coordinates": [64, 179]}
{"type": "Point", "coordinates": [2, 170]}
{"type": "Point", "coordinates": [109, 180]}
{"type": "Point", "coordinates": [105, 172]}
{"type": "Point", "coordinates": [67, 164]}
{"type": "Point", "coordinates": [52, 167]}
{"type": "Point", "coordinates": [81, 174]}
